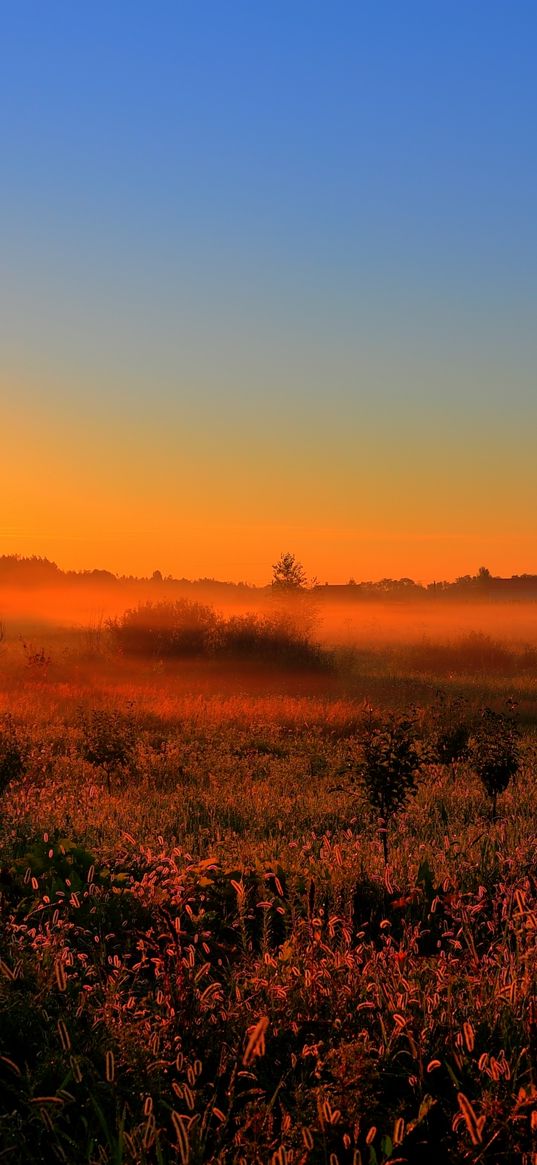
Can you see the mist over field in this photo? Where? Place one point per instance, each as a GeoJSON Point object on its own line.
{"type": "Point", "coordinates": [340, 615]}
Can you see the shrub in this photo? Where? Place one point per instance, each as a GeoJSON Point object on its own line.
{"type": "Point", "coordinates": [12, 753]}
{"type": "Point", "coordinates": [450, 731]}
{"type": "Point", "coordinates": [108, 740]}
{"type": "Point", "coordinates": [166, 629]}
{"type": "Point", "coordinates": [389, 769]}
{"type": "Point", "coordinates": [184, 628]}
{"type": "Point", "coordinates": [494, 753]}
{"type": "Point", "coordinates": [275, 639]}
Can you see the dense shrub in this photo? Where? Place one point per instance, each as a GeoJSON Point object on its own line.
{"type": "Point", "coordinates": [173, 629]}
{"type": "Point", "coordinates": [275, 639]}
{"type": "Point", "coordinates": [494, 752]}
{"type": "Point", "coordinates": [388, 767]}
{"type": "Point", "coordinates": [108, 740]}
{"type": "Point", "coordinates": [12, 752]}
{"type": "Point", "coordinates": [449, 731]}
{"type": "Point", "coordinates": [167, 629]}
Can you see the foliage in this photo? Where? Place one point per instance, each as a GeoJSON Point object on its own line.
{"type": "Point", "coordinates": [12, 752]}
{"type": "Point", "coordinates": [180, 629]}
{"type": "Point", "coordinates": [288, 574]}
{"type": "Point", "coordinates": [277, 639]}
{"type": "Point", "coordinates": [495, 753]}
{"type": "Point", "coordinates": [166, 629]}
{"type": "Point", "coordinates": [390, 766]}
{"type": "Point", "coordinates": [108, 740]}
{"type": "Point", "coordinates": [449, 730]}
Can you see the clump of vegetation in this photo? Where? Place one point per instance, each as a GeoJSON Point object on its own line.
{"type": "Point", "coordinates": [171, 630]}
{"type": "Point", "coordinates": [390, 764]}
{"type": "Point", "coordinates": [495, 753]}
{"type": "Point", "coordinates": [108, 741]}
{"type": "Point", "coordinates": [12, 752]}
{"type": "Point", "coordinates": [167, 629]}
{"type": "Point", "coordinates": [450, 731]}
{"type": "Point", "coordinates": [276, 639]}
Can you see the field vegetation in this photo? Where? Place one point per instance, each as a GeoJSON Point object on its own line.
{"type": "Point", "coordinates": [263, 899]}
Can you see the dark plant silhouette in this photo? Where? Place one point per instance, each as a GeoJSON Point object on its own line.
{"type": "Point", "coordinates": [450, 731]}
{"type": "Point", "coordinates": [108, 740]}
{"type": "Point", "coordinates": [294, 596]}
{"type": "Point", "coordinates": [12, 752]}
{"type": "Point", "coordinates": [389, 769]}
{"type": "Point", "coordinates": [288, 575]}
{"type": "Point", "coordinates": [167, 629]}
{"type": "Point", "coordinates": [276, 639]}
{"type": "Point", "coordinates": [494, 752]}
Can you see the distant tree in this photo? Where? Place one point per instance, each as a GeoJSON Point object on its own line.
{"type": "Point", "coordinates": [288, 574]}
{"type": "Point", "coordinates": [483, 577]}
{"type": "Point", "coordinates": [294, 597]}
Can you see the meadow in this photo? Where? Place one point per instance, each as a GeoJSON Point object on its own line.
{"type": "Point", "coordinates": [204, 956]}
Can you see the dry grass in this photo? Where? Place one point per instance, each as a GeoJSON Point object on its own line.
{"type": "Point", "coordinates": [209, 962]}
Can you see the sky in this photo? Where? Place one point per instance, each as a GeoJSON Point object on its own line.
{"type": "Point", "coordinates": [268, 283]}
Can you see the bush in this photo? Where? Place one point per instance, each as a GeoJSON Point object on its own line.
{"type": "Point", "coordinates": [390, 765]}
{"type": "Point", "coordinates": [172, 630]}
{"type": "Point", "coordinates": [274, 639]}
{"type": "Point", "coordinates": [167, 629]}
{"type": "Point", "coordinates": [12, 752]}
{"type": "Point", "coordinates": [494, 753]}
{"type": "Point", "coordinates": [450, 731]}
{"type": "Point", "coordinates": [108, 741]}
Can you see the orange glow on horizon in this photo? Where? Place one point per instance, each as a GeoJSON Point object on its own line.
{"type": "Point", "coordinates": [133, 495]}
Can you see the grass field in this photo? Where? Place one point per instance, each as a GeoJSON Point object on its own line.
{"type": "Point", "coordinates": [203, 955]}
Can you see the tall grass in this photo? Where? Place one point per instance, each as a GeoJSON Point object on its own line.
{"type": "Point", "coordinates": [204, 958]}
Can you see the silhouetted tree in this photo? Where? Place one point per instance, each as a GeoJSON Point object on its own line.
{"type": "Point", "coordinates": [288, 574]}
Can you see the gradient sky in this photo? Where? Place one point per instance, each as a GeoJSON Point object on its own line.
{"type": "Point", "coordinates": [269, 283]}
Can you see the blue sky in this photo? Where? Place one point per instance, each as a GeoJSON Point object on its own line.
{"type": "Point", "coordinates": [246, 235]}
